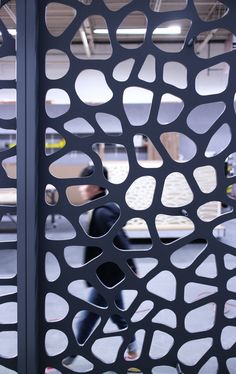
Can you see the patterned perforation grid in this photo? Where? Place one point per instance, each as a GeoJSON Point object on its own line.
{"type": "Point", "coordinates": [167, 289]}
{"type": "Point", "coordinates": [8, 290]}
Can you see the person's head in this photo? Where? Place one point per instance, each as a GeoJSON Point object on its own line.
{"type": "Point", "coordinates": [89, 191]}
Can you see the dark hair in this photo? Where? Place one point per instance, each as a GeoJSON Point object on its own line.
{"type": "Point", "coordinates": [90, 169]}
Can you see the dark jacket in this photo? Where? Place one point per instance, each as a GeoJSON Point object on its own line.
{"type": "Point", "coordinates": [103, 218]}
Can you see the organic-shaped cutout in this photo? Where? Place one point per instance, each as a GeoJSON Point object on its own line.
{"type": "Point", "coordinates": [123, 70]}
{"type": "Point", "coordinates": [231, 284]}
{"type": "Point", "coordinates": [219, 141]}
{"type": "Point", "coordinates": [84, 44]}
{"type": "Point", "coordinates": [8, 371]}
{"type": "Point", "coordinates": [218, 10]}
{"type": "Point", "coordinates": [217, 82]}
{"type": "Point", "coordinates": [60, 96]}
{"type": "Point", "coordinates": [9, 165]}
{"type": "Point", "coordinates": [10, 63]}
{"type": "Point", "coordinates": [79, 127]}
{"type": "Point", "coordinates": [175, 73]}
{"type": "Point", "coordinates": [207, 268]}
{"type": "Point", "coordinates": [210, 366]}
{"type": "Point", "coordinates": [181, 25]}
{"type": "Point", "coordinates": [176, 191]}
{"type": "Point", "coordinates": [111, 326]}
{"type": "Point", "coordinates": [128, 296]}
{"type": "Point", "coordinates": [197, 291]}
{"type": "Point", "coordinates": [147, 72]}
{"type": "Point", "coordinates": [115, 6]}
{"type": "Point", "coordinates": [8, 95]}
{"type": "Point", "coordinates": [56, 233]}
{"type": "Point", "coordinates": [139, 195]}
{"type": "Point", "coordinates": [203, 116]}
{"type": "Point", "coordinates": [230, 309]}
{"type": "Point", "coordinates": [117, 171]}
{"type": "Point", "coordinates": [170, 223]}
{"type": "Point", "coordinates": [111, 151]}
{"type": "Point", "coordinates": [74, 255]}
{"type": "Point", "coordinates": [166, 7]}
{"type": "Point", "coordinates": [205, 177]}
{"type": "Point", "coordinates": [9, 271]}
{"type": "Point", "coordinates": [143, 310]}
{"type": "Point", "coordinates": [56, 342]}
{"type": "Point", "coordinates": [161, 344]}
{"type": "Point", "coordinates": [198, 347]}
{"type": "Point", "coordinates": [166, 317]}
{"type": "Point", "coordinates": [230, 261]}
{"type": "Point", "coordinates": [228, 337]}
{"type": "Point", "coordinates": [82, 365]}
{"type": "Point", "coordinates": [8, 197]}
{"type": "Point", "coordinates": [62, 168]}
{"type": "Point", "coordinates": [209, 211]}
{"type": "Point", "coordinates": [124, 30]}
{"type": "Point", "coordinates": [189, 148]}
{"type": "Point", "coordinates": [228, 239]}
{"type": "Point", "coordinates": [154, 158]}
{"type": "Point", "coordinates": [185, 256]}
{"type": "Point", "coordinates": [8, 350]}
{"type": "Point", "coordinates": [7, 290]}
{"type": "Point", "coordinates": [51, 195]}
{"type": "Point", "coordinates": [101, 349]}
{"type": "Point", "coordinates": [110, 274]}
{"type": "Point", "coordinates": [231, 364]}
{"type": "Point", "coordinates": [138, 95]}
{"type": "Point", "coordinates": [110, 124]}
{"type": "Point", "coordinates": [80, 290]}
{"type": "Point", "coordinates": [68, 13]}
{"type": "Point", "coordinates": [163, 285]}
{"type": "Point", "coordinates": [85, 80]}
{"type": "Point", "coordinates": [200, 44]}
{"type": "Point", "coordinates": [168, 116]}
{"type": "Point", "coordinates": [194, 321]}
{"type": "Point", "coordinates": [50, 59]}
{"type": "Point", "coordinates": [137, 227]}
{"type": "Point", "coordinates": [144, 265]}
{"type": "Point", "coordinates": [53, 141]}
{"type": "Point", "coordinates": [56, 308]}
{"type": "Point", "coordinates": [8, 313]}
{"type": "Point", "coordinates": [52, 267]}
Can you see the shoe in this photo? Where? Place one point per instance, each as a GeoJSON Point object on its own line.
{"type": "Point", "coordinates": [50, 370]}
{"type": "Point", "coordinates": [132, 356]}
{"type": "Point", "coordinates": [68, 360]}
{"type": "Point", "coordinates": [134, 370]}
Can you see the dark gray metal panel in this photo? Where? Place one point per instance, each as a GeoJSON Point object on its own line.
{"type": "Point", "coordinates": [159, 250]}
{"type": "Point", "coordinates": [27, 185]}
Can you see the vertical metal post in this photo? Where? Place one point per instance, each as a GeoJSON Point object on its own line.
{"type": "Point", "coordinates": [27, 175]}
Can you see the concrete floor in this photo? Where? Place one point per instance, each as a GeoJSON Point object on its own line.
{"type": "Point", "coordinates": [164, 285]}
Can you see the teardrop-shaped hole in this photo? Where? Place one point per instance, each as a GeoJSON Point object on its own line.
{"type": "Point", "coordinates": [137, 228]}
{"type": "Point", "coordinates": [198, 346]}
{"type": "Point", "coordinates": [147, 72]}
{"type": "Point", "coordinates": [168, 31]}
{"type": "Point", "coordinates": [56, 342]}
{"type": "Point", "coordinates": [205, 177]}
{"type": "Point", "coordinates": [56, 233]}
{"type": "Point", "coordinates": [219, 141]}
{"type": "Point", "coordinates": [207, 268]}
{"type": "Point", "coordinates": [139, 195]}
{"type": "Point", "coordinates": [144, 265]}
{"type": "Point", "coordinates": [194, 291]}
{"type": "Point", "coordinates": [56, 56]}
{"type": "Point", "coordinates": [110, 274]}
{"type": "Point", "coordinates": [166, 317]}
{"type": "Point", "coordinates": [161, 344]}
{"type": "Point", "coordinates": [75, 255]}
{"type": "Point", "coordinates": [59, 96]}
{"type": "Point", "coordinates": [65, 12]}
{"type": "Point", "coordinates": [163, 285]}
{"type": "Point", "coordinates": [9, 164]}
{"type": "Point", "coordinates": [123, 69]}
{"type": "Point", "coordinates": [203, 116]}
{"type": "Point", "coordinates": [138, 95]}
{"type": "Point", "coordinates": [176, 191]}
{"type": "Point", "coordinates": [142, 311]}
{"type": "Point", "coordinates": [109, 123]}
{"type": "Point", "coordinates": [128, 297]}
{"type": "Point", "coordinates": [170, 109]}
{"type": "Point", "coordinates": [130, 39]}
{"type": "Point", "coordinates": [216, 76]}
{"type": "Point", "coordinates": [146, 153]}
{"type": "Point", "coordinates": [52, 267]}
{"type": "Point", "coordinates": [56, 307]}
{"type": "Point", "coordinates": [118, 170]}
{"type": "Point", "coordinates": [69, 165]}
{"type": "Point", "coordinates": [93, 78]}
{"type": "Point", "coordinates": [80, 290]}
{"type": "Point", "coordinates": [195, 323]}
{"type": "Point", "coordinates": [175, 74]}
{"type": "Point", "coordinates": [215, 12]}
{"type": "Point", "coordinates": [85, 44]}
{"type": "Point", "coordinates": [105, 354]}
{"type": "Point", "coordinates": [79, 127]}
{"type": "Point", "coordinates": [173, 226]}
{"type": "Point", "coordinates": [209, 211]}
{"type": "Point", "coordinates": [82, 364]}
{"type": "Point", "coordinates": [185, 256]}
{"type": "Point", "coordinates": [201, 45]}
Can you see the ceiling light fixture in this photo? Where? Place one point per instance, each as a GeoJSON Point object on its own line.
{"type": "Point", "coordinates": [170, 30]}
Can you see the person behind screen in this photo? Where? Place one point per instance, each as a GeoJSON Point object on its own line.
{"type": "Point", "coordinates": [102, 219]}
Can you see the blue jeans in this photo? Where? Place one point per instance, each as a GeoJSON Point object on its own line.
{"type": "Point", "coordinates": [88, 319]}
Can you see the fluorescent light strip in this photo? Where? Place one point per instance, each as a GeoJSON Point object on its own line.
{"type": "Point", "coordinates": [170, 30]}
